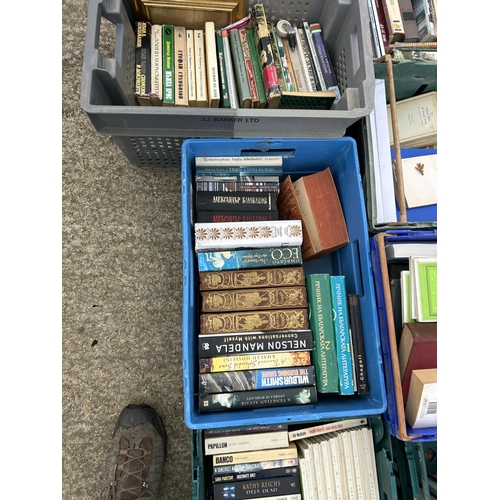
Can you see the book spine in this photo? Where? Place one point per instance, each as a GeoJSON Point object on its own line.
{"type": "Point", "coordinates": [213, 89]}
{"type": "Point", "coordinates": [321, 85]}
{"type": "Point", "coordinates": [156, 65]}
{"type": "Point", "coordinates": [232, 186]}
{"type": "Point", "coordinates": [249, 300]}
{"type": "Point", "coordinates": [216, 217]}
{"type": "Point", "coordinates": [257, 488]}
{"type": "Point", "coordinates": [224, 89]}
{"type": "Point", "coordinates": [319, 468]}
{"type": "Point", "coordinates": [140, 84]}
{"type": "Point", "coordinates": [180, 71]}
{"type": "Point", "coordinates": [268, 66]}
{"type": "Point", "coordinates": [231, 82]}
{"type": "Point", "coordinates": [382, 23]}
{"type": "Point", "coordinates": [356, 459]}
{"type": "Point", "coordinates": [324, 58]}
{"type": "Point", "coordinates": [256, 67]}
{"type": "Point", "coordinates": [251, 321]}
{"type": "Point", "coordinates": [326, 428]}
{"type": "Point", "coordinates": [191, 85]}
{"type": "Point", "coordinates": [240, 178]}
{"type": "Point", "coordinates": [255, 466]}
{"type": "Point", "coordinates": [341, 322]}
{"type": "Point", "coordinates": [246, 429]}
{"type": "Point", "coordinates": [284, 396]}
{"type": "Point", "coordinates": [377, 48]}
{"type": "Point", "coordinates": [254, 361]}
{"type": "Point", "coordinates": [358, 345]}
{"type": "Point", "coordinates": [305, 60]}
{"type": "Point", "coordinates": [288, 84]}
{"type": "Point", "coordinates": [371, 465]}
{"type": "Point", "coordinates": [245, 476]}
{"type": "Point", "coordinates": [276, 55]}
{"type": "Point", "coordinates": [226, 236]}
{"type": "Point", "coordinates": [240, 71]}
{"type": "Point", "coordinates": [250, 259]}
{"type": "Point", "coordinates": [252, 83]}
{"type": "Point", "coordinates": [143, 63]}
{"type": "Point", "coordinates": [244, 458]}
{"type": "Point", "coordinates": [348, 462]}
{"type": "Point", "coordinates": [324, 355]}
{"type": "Point", "coordinates": [255, 380]}
{"type": "Point", "coordinates": [239, 170]}
{"type": "Point", "coordinates": [168, 66]}
{"type": "Point", "coordinates": [253, 278]}
{"type": "Point", "coordinates": [409, 23]}
{"type": "Point", "coordinates": [200, 69]}
{"type": "Point", "coordinates": [393, 14]}
{"type": "Point", "coordinates": [262, 165]}
{"type": "Point", "coordinates": [245, 442]}
{"type": "Point", "coordinates": [222, 200]}
{"type": "Point", "coordinates": [309, 487]}
{"type": "Point", "coordinates": [296, 67]}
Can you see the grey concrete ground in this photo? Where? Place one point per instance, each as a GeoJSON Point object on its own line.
{"type": "Point", "coordinates": [122, 292]}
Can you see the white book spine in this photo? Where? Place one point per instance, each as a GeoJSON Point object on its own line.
{"type": "Point", "coordinates": [297, 68]}
{"type": "Point", "coordinates": [320, 476]}
{"type": "Point", "coordinates": [356, 460]}
{"type": "Point", "coordinates": [200, 69]}
{"type": "Point", "coordinates": [246, 442]}
{"type": "Point", "coordinates": [191, 84]}
{"type": "Point", "coordinates": [314, 55]}
{"type": "Point", "coordinates": [325, 428]}
{"type": "Point", "coordinates": [351, 481]}
{"type": "Point", "coordinates": [305, 63]}
{"type": "Point", "coordinates": [370, 463]}
{"type": "Point", "coordinates": [236, 161]}
{"type": "Point", "coordinates": [337, 465]}
{"type": "Point", "coordinates": [327, 467]}
{"type": "Point", "coordinates": [211, 62]}
{"type": "Point", "coordinates": [306, 451]}
{"type": "Point", "coordinates": [156, 64]}
{"type": "Point", "coordinates": [304, 479]}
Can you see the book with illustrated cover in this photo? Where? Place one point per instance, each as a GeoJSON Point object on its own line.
{"type": "Point", "coordinates": [255, 466]}
{"type": "Point", "coordinates": [215, 445]}
{"type": "Point", "coordinates": [244, 458]}
{"type": "Point", "coordinates": [168, 65]}
{"type": "Point", "coordinates": [252, 380]}
{"type": "Point", "coordinates": [224, 90]}
{"type": "Point", "coordinates": [257, 234]}
{"type": "Point", "coordinates": [358, 344]}
{"type": "Point", "coordinates": [156, 65]}
{"type": "Point", "coordinates": [227, 200]}
{"type": "Point", "coordinates": [252, 82]}
{"type": "Point", "coordinates": [200, 69]}
{"type": "Point", "coordinates": [143, 63]}
{"type": "Point", "coordinates": [255, 321]}
{"type": "Point", "coordinates": [211, 57]}
{"type": "Point", "coordinates": [284, 396]}
{"type": "Point", "coordinates": [289, 297]}
{"type": "Point", "coordinates": [190, 62]}
{"type": "Point", "coordinates": [342, 336]}
{"type": "Point", "coordinates": [258, 488]}
{"type": "Point", "coordinates": [324, 355]}
{"type": "Point", "coordinates": [240, 70]}
{"type": "Point", "coordinates": [231, 82]}
{"type": "Point", "coordinates": [256, 67]}
{"type": "Point", "coordinates": [254, 361]}
{"type": "Point", "coordinates": [214, 216]}
{"type": "Point", "coordinates": [180, 69]}
{"type": "Point", "coordinates": [249, 259]}
{"type": "Point", "coordinates": [252, 278]}
{"type": "Point", "coordinates": [261, 474]}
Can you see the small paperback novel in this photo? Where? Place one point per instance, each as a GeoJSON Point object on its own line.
{"type": "Point", "coordinates": [284, 396]}
{"type": "Point", "coordinates": [255, 321]}
{"type": "Point", "coordinates": [250, 467]}
{"type": "Point", "coordinates": [238, 343]}
{"type": "Point", "coordinates": [247, 235]}
{"type": "Point", "coordinates": [247, 457]}
{"type": "Point", "coordinates": [254, 361]}
{"type": "Point", "coordinates": [317, 430]}
{"type": "Point", "coordinates": [245, 165]}
{"type": "Point", "coordinates": [245, 429]}
{"type": "Point", "coordinates": [342, 335]}
{"type": "Point", "coordinates": [236, 200]}
{"type": "Point", "coordinates": [252, 380]}
{"type": "Point", "coordinates": [252, 278]}
{"type": "Point", "coordinates": [261, 474]}
{"type": "Point", "coordinates": [143, 63]}
{"type": "Point", "coordinates": [258, 489]}
{"type": "Point", "coordinates": [168, 65]}
{"type": "Point", "coordinates": [215, 445]}
{"type": "Point", "coordinates": [249, 259]}
{"type": "Point", "coordinates": [358, 344]}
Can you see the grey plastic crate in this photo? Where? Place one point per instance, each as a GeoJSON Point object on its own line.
{"type": "Point", "coordinates": [152, 136]}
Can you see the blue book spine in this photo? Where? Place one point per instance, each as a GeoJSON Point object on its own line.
{"type": "Point", "coordinates": [340, 310]}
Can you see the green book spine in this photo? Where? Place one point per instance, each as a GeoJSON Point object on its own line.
{"type": "Point", "coordinates": [240, 72]}
{"type": "Point", "coordinates": [224, 91]}
{"type": "Point", "coordinates": [324, 354]}
{"type": "Point", "coordinates": [168, 65]}
{"type": "Point", "coordinates": [256, 68]}
{"type": "Point", "coordinates": [340, 309]}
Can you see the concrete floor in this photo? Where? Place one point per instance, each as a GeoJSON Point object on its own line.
{"type": "Point", "coordinates": [122, 292]}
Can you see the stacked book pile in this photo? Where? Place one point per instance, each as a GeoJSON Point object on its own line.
{"type": "Point", "coordinates": [223, 67]}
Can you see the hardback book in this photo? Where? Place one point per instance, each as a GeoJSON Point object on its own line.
{"type": "Point", "coordinates": [214, 445]}
{"type": "Point", "coordinates": [423, 282]}
{"type": "Point", "coordinates": [394, 21]}
{"type": "Point", "coordinates": [239, 165]}
{"type": "Point", "coordinates": [254, 361]}
{"type": "Point", "coordinates": [261, 474]}
{"type": "Point", "coordinates": [406, 297]}
{"type": "Point", "coordinates": [417, 121]}
{"type": "Point", "coordinates": [252, 380]}
{"type": "Point", "coordinates": [252, 278]}
{"type": "Point", "coordinates": [343, 344]}
{"type": "Point", "coordinates": [296, 65]}
{"type": "Point", "coordinates": [408, 249]}
{"type": "Point", "coordinates": [231, 82]}
{"type": "Point", "coordinates": [211, 56]}
{"type": "Point", "coordinates": [325, 62]}
{"type": "Point", "coordinates": [271, 28]}
{"type": "Point", "coordinates": [252, 82]}
{"type": "Point", "coordinates": [358, 344]}
{"type": "Point", "coordinates": [191, 70]}
{"type": "Point", "coordinates": [250, 259]}
{"type": "Point", "coordinates": [425, 25]}
{"type": "Point", "coordinates": [377, 48]}
{"type": "Point", "coordinates": [286, 49]}
{"type": "Point", "coordinates": [244, 429]}
{"type": "Point", "coordinates": [143, 63]}
{"type": "Point", "coordinates": [289, 297]}
{"type": "Point", "coordinates": [247, 457]}
{"type": "Point", "coordinates": [156, 65]}
{"type": "Point", "coordinates": [321, 84]}
{"type": "Point", "coordinates": [240, 70]}
{"type": "Point", "coordinates": [283, 396]}
{"type": "Point", "coordinates": [240, 179]}
{"type": "Point", "coordinates": [200, 69]}
{"type": "Point", "coordinates": [168, 65]}
{"type": "Point", "coordinates": [268, 66]}
{"type": "Point", "coordinates": [258, 488]}
{"type": "Point", "coordinates": [317, 200]}
{"type": "Point", "coordinates": [421, 407]}
{"type": "Point", "coordinates": [409, 23]}
{"type": "Point", "coordinates": [249, 467]}
{"type": "Point", "coordinates": [226, 216]}
{"type": "Point", "coordinates": [180, 68]}
{"type": "Point", "coordinates": [382, 23]}
{"type": "Point", "coordinates": [221, 64]}
{"type": "Point", "coordinates": [218, 183]}
{"type": "Point", "coordinates": [417, 350]}
{"type": "Point", "coordinates": [254, 321]}
{"type": "Point", "coordinates": [256, 67]}
{"type": "Point", "coordinates": [257, 234]}
{"type": "Point", "coordinates": [287, 84]}
{"type": "Point", "coordinates": [318, 430]}
{"type": "Point", "coordinates": [307, 62]}
{"type": "Point", "coordinates": [324, 355]}
{"type": "Point", "coordinates": [239, 200]}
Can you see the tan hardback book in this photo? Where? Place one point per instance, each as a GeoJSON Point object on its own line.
{"type": "Point", "coordinates": [211, 57]}
{"type": "Point", "coordinates": [421, 408]}
{"type": "Point", "coordinates": [200, 69]}
{"type": "Point", "coordinates": [180, 58]}
{"type": "Point", "coordinates": [191, 71]}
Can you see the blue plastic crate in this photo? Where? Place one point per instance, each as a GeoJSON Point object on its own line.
{"type": "Point", "coordinates": [397, 423]}
{"type": "Point", "coordinates": [300, 157]}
